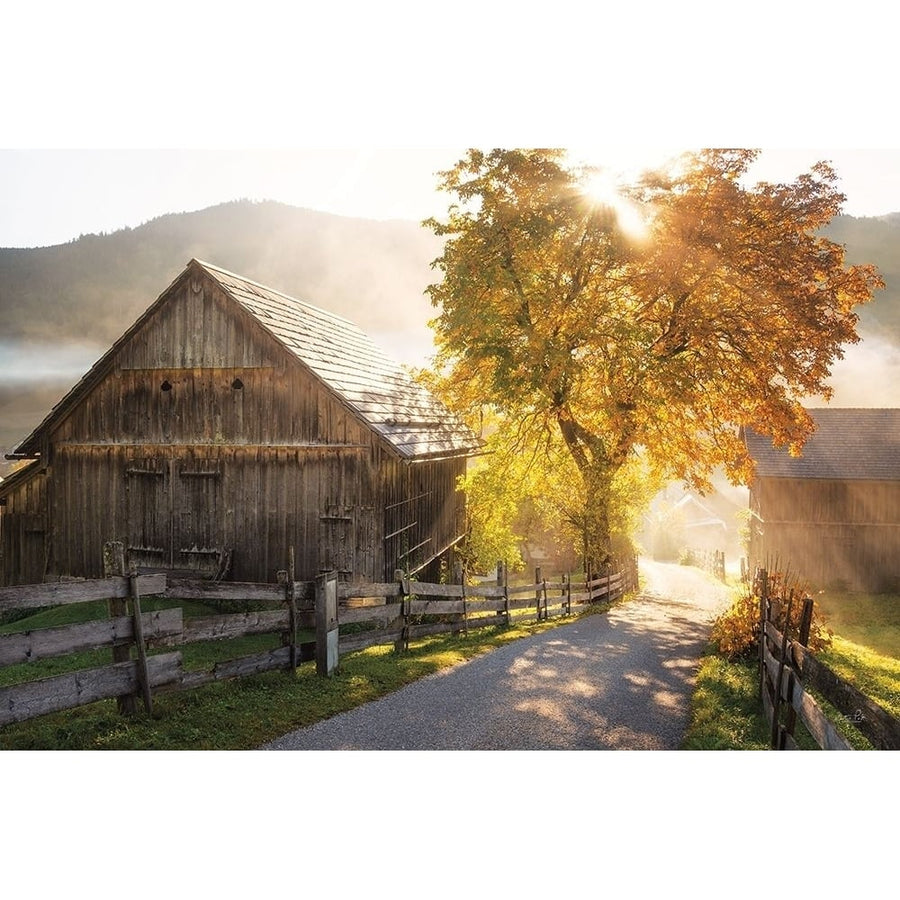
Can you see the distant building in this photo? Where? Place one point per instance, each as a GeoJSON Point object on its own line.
{"type": "Point", "coordinates": [833, 514]}
{"type": "Point", "coordinates": [671, 528]}
{"type": "Point", "coordinates": [228, 424]}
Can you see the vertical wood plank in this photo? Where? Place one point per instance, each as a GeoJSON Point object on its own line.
{"type": "Point", "coordinates": [776, 737]}
{"type": "Point", "coordinates": [327, 658]}
{"type": "Point", "coordinates": [805, 626]}
{"type": "Point", "coordinates": [762, 587]}
{"type": "Point", "coordinates": [402, 643]}
{"type": "Point", "coordinates": [465, 610]}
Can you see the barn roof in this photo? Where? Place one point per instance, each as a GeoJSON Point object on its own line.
{"type": "Point", "coordinates": [377, 389]}
{"type": "Point", "coordinates": [848, 444]}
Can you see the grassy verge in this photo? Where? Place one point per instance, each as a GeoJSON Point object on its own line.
{"type": "Point", "coordinates": [248, 712]}
{"type": "Point", "coordinates": [725, 710]}
{"type": "Point", "coordinates": [866, 647]}
{"type": "Point", "coordinates": [867, 620]}
{"type": "Point", "coordinates": [876, 675]}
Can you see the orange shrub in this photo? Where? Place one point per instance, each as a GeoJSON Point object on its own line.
{"type": "Point", "coordinates": [736, 631]}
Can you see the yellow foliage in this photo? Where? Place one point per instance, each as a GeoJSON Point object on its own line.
{"type": "Point", "coordinates": [736, 631]}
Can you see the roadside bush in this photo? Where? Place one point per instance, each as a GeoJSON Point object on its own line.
{"type": "Point", "coordinates": [736, 631]}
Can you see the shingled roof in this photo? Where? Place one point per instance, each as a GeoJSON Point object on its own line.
{"type": "Point", "coordinates": [374, 387]}
{"type": "Point", "coordinates": [848, 444]}
{"type": "Point", "coordinates": [378, 389]}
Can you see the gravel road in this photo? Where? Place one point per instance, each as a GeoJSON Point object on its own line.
{"type": "Point", "coordinates": [620, 681]}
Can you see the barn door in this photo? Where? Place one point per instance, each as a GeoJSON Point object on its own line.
{"type": "Point", "coordinates": [149, 544]}
{"type": "Point", "coordinates": [196, 515]}
{"type": "Point", "coordinates": [173, 514]}
{"type": "Point", "coordinates": [346, 541]}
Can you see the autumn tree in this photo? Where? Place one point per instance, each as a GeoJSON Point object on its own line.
{"type": "Point", "coordinates": [517, 494]}
{"type": "Point", "coordinates": [728, 310]}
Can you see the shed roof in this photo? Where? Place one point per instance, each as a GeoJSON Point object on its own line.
{"type": "Point", "coordinates": [377, 389]}
{"type": "Point", "coordinates": [848, 444]}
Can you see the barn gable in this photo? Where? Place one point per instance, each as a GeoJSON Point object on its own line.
{"type": "Point", "coordinates": [240, 324]}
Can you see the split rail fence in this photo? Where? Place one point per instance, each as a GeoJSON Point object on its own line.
{"type": "Point", "coordinates": [789, 673]}
{"type": "Point", "coordinates": [366, 615]}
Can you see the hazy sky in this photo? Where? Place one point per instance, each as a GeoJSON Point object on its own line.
{"type": "Point", "coordinates": [52, 196]}
{"type": "Point", "coordinates": [231, 83]}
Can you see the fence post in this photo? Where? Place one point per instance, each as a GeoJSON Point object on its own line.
{"type": "Point", "coordinates": [568, 578]}
{"type": "Point", "coordinates": [803, 639]}
{"type": "Point", "coordinates": [143, 672]}
{"type": "Point", "coordinates": [503, 581]}
{"type": "Point", "coordinates": [402, 643]}
{"type": "Point", "coordinates": [290, 596]}
{"type": "Point", "coordinates": [761, 583]}
{"type": "Point", "coordinates": [465, 610]}
{"type": "Point", "coordinates": [327, 656]}
{"type": "Point", "coordinates": [777, 728]}
{"type": "Point", "coordinates": [114, 565]}
{"type": "Point", "coordinates": [537, 593]}
{"type": "Point", "coordinates": [609, 582]}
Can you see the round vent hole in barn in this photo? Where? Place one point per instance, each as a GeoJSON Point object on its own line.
{"type": "Point", "coordinates": [166, 386]}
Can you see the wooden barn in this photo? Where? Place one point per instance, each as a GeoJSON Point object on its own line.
{"type": "Point", "coordinates": [832, 514]}
{"type": "Point", "coordinates": [228, 424]}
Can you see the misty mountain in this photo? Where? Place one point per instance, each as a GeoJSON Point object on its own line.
{"type": "Point", "coordinates": [875, 240]}
{"type": "Point", "coordinates": [371, 272]}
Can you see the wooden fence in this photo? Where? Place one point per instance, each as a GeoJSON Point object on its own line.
{"type": "Point", "coordinates": [788, 675]}
{"type": "Point", "coordinates": [408, 609]}
{"type": "Point", "coordinates": [367, 614]}
{"type": "Point", "coordinates": [712, 561]}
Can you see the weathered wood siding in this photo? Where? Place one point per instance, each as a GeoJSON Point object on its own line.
{"type": "Point", "coordinates": [829, 531]}
{"type": "Point", "coordinates": [423, 513]}
{"type": "Point", "coordinates": [205, 436]}
{"type": "Point", "coordinates": [195, 373]}
{"type": "Point", "coordinates": [25, 531]}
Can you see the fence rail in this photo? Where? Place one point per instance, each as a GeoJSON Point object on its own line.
{"type": "Point", "coordinates": [366, 615]}
{"type": "Point", "coordinates": [712, 561]}
{"type": "Point", "coordinates": [790, 673]}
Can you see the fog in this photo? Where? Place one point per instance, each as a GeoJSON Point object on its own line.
{"type": "Point", "coordinates": [31, 364]}
{"type": "Point", "coordinates": [867, 377]}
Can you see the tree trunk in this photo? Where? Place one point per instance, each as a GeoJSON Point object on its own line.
{"type": "Point", "coordinates": [598, 472]}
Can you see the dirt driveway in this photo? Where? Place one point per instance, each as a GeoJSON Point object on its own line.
{"type": "Point", "coordinates": [620, 681]}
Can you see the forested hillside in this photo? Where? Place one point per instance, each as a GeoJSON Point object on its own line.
{"type": "Point", "coordinates": [369, 271]}
{"type": "Point", "coordinates": [875, 240]}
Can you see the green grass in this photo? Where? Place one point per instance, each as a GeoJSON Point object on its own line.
{"type": "Point", "coordinates": [244, 713]}
{"type": "Point", "coordinates": [725, 707]}
{"type": "Point", "coordinates": [725, 711]}
{"type": "Point", "coordinates": [877, 676]}
{"type": "Point", "coordinates": [867, 620]}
